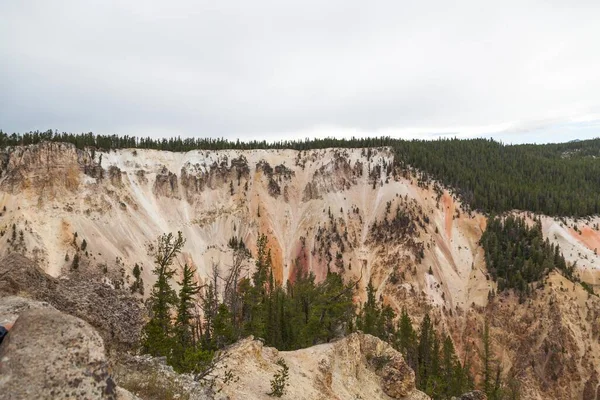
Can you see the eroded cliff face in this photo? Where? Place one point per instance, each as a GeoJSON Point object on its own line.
{"type": "Point", "coordinates": [346, 210]}
{"type": "Point", "coordinates": [549, 344]}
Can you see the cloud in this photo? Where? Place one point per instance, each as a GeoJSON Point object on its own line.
{"type": "Point", "coordinates": [276, 70]}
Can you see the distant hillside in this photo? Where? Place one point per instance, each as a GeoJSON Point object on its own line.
{"type": "Point", "coordinates": [555, 179]}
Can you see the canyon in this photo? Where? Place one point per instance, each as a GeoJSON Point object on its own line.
{"type": "Point", "coordinates": [352, 211]}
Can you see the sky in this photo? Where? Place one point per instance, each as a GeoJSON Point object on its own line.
{"type": "Point", "coordinates": [518, 71]}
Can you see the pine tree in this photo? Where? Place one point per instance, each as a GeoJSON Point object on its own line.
{"type": "Point", "coordinates": [232, 295]}
{"type": "Point", "coordinates": [184, 355]}
{"type": "Point", "coordinates": [334, 309]}
{"type": "Point", "coordinates": [158, 340]}
{"type": "Point", "coordinates": [223, 332]}
{"type": "Point", "coordinates": [187, 292]}
{"type": "Point", "coordinates": [455, 380]}
{"type": "Point", "coordinates": [487, 359]}
{"type": "Point", "coordinates": [209, 304]}
{"type": "Point", "coordinates": [407, 340]}
{"type": "Point", "coordinates": [136, 271]}
{"type": "Point", "coordinates": [517, 255]}
{"type": "Point", "coordinates": [75, 264]}
{"type": "Point", "coordinates": [424, 356]}
{"type": "Point", "coordinates": [369, 316]}
{"type": "Point", "coordinates": [375, 319]}
{"type": "Point", "coordinates": [138, 284]}
{"type": "Point", "coordinates": [303, 295]}
{"type": "Point", "coordinates": [256, 319]}
{"type": "Point", "coordinates": [434, 380]}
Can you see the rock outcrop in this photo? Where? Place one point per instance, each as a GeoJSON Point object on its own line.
{"type": "Point", "coordinates": [166, 184]}
{"type": "Point", "coordinates": [151, 378]}
{"type": "Point", "coordinates": [48, 354]}
{"type": "Point", "coordinates": [48, 169]}
{"type": "Point", "coordinates": [357, 366]}
{"type": "Point", "coordinates": [114, 313]}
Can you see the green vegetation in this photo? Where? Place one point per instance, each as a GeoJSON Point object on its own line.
{"type": "Point", "coordinates": [493, 384]}
{"type": "Point", "coordinates": [375, 319]}
{"type": "Point", "coordinates": [588, 288]}
{"type": "Point", "coordinates": [517, 255]}
{"type": "Point", "coordinates": [75, 264]}
{"type": "Point", "coordinates": [553, 179]}
{"type": "Point", "coordinates": [138, 284]}
{"type": "Point", "coordinates": [159, 332]}
{"type": "Point", "coordinates": [110, 142]}
{"type": "Point", "coordinates": [438, 372]}
{"type": "Point", "coordinates": [280, 380]}
{"type": "Point", "coordinates": [302, 314]}
{"type": "Point", "coordinates": [153, 386]}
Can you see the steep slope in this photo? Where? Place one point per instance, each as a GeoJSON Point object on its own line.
{"type": "Point", "coordinates": [312, 205]}
{"type": "Point", "coordinates": [346, 210]}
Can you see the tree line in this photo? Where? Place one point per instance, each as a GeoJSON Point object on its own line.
{"type": "Point", "coordinates": [555, 179]}
{"type": "Point", "coordinates": [179, 144]}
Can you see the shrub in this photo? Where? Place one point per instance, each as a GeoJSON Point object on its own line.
{"type": "Point", "coordinates": [280, 380]}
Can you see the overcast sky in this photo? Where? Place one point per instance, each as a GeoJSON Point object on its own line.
{"type": "Point", "coordinates": [518, 71]}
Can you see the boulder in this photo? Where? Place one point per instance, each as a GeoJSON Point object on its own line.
{"type": "Point", "coordinates": [49, 355]}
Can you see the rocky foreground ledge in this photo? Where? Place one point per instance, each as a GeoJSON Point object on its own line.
{"type": "Point", "coordinates": [52, 355]}
{"type": "Point", "coordinates": [358, 366]}
{"type": "Point", "coordinates": [49, 354]}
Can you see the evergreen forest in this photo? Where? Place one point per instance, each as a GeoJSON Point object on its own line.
{"type": "Point", "coordinates": [517, 255]}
